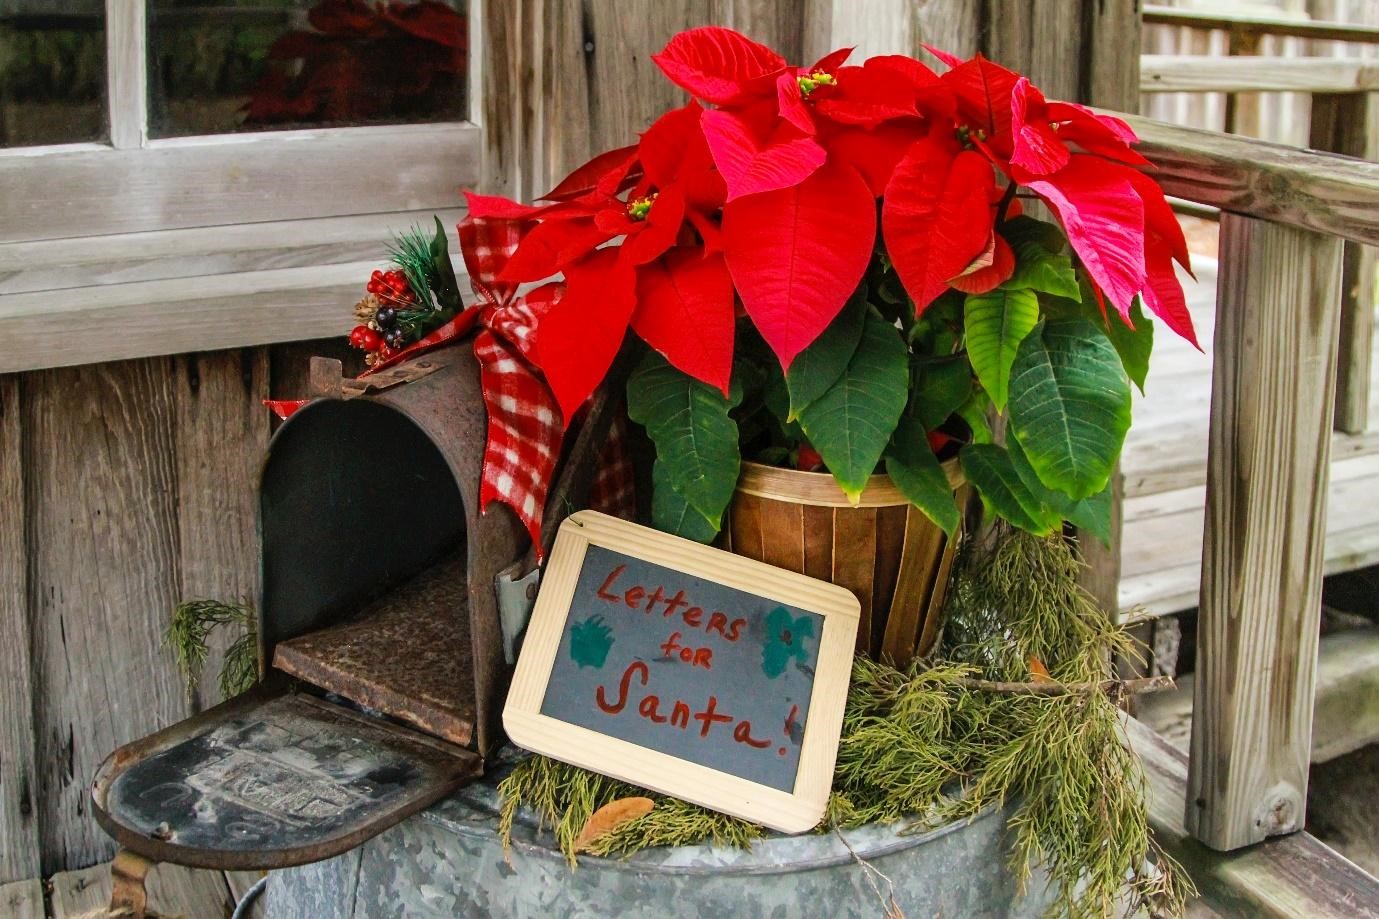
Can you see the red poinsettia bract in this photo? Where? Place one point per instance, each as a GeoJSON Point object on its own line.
{"type": "Point", "coordinates": [764, 188]}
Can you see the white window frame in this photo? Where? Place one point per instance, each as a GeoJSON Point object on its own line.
{"type": "Point", "coordinates": [163, 232]}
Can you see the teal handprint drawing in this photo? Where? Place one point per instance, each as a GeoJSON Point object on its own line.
{"type": "Point", "coordinates": [785, 639]}
{"type": "Point", "coordinates": [590, 642]}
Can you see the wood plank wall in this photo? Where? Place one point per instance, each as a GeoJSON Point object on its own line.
{"type": "Point", "coordinates": [127, 486]}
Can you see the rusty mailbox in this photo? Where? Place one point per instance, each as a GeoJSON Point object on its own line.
{"type": "Point", "coordinates": [383, 651]}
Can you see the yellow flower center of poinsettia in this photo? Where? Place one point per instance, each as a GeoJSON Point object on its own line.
{"type": "Point", "coordinates": [639, 208]}
{"type": "Point", "coordinates": [813, 81]}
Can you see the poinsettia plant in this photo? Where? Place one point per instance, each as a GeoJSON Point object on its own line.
{"type": "Point", "coordinates": [831, 266]}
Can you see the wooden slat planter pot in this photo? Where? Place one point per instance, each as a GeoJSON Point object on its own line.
{"type": "Point", "coordinates": [883, 549]}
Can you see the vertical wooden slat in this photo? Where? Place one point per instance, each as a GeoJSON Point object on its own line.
{"type": "Point", "coordinates": [126, 72]}
{"type": "Point", "coordinates": [18, 823]}
{"type": "Point", "coordinates": [746, 523]}
{"type": "Point", "coordinates": [1041, 39]}
{"type": "Point", "coordinates": [1111, 74]}
{"type": "Point", "coordinates": [950, 25]}
{"type": "Point", "coordinates": [100, 467]}
{"type": "Point", "coordinates": [1267, 472]}
{"type": "Point", "coordinates": [891, 524]}
{"type": "Point", "coordinates": [938, 586]}
{"type": "Point", "coordinates": [918, 557]}
{"type": "Point", "coordinates": [1349, 124]}
{"type": "Point", "coordinates": [222, 431]}
{"type": "Point", "coordinates": [1101, 576]}
{"type": "Point", "coordinates": [772, 22]}
{"type": "Point", "coordinates": [1243, 109]}
{"type": "Point", "coordinates": [782, 534]}
{"type": "Point", "coordinates": [818, 542]}
{"type": "Point", "coordinates": [871, 26]}
{"type": "Point", "coordinates": [854, 548]}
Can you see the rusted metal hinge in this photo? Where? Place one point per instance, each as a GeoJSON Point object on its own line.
{"type": "Point", "coordinates": [327, 380]}
{"type": "Point", "coordinates": [128, 898]}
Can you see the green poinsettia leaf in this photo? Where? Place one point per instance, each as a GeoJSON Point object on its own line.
{"type": "Point", "coordinates": [671, 513]}
{"type": "Point", "coordinates": [973, 411]}
{"type": "Point", "coordinates": [990, 470]}
{"type": "Point", "coordinates": [995, 323]}
{"type": "Point", "coordinates": [917, 473]}
{"type": "Point", "coordinates": [938, 387]}
{"type": "Point", "coordinates": [1133, 345]}
{"type": "Point", "coordinates": [695, 438]}
{"type": "Point", "coordinates": [1090, 514]}
{"type": "Point", "coordinates": [819, 366]}
{"type": "Point", "coordinates": [1070, 405]}
{"type": "Point", "coordinates": [442, 274]}
{"type": "Point", "coordinates": [1036, 268]}
{"type": "Point", "coordinates": [851, 423]}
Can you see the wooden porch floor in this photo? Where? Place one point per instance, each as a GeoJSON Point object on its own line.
{"type": "Point", "coordinates": [1165, 467]}
{"type": "Point", "coordinates": [173, 891]}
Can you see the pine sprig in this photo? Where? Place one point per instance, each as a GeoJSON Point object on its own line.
{"type": "Point", "coordinates": [188, 634]}
{"type": "Point", "coordinates": [410, 251]}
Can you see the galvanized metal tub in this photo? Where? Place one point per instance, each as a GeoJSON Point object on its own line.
{"type": "Point", "coordinates": [448, 861]}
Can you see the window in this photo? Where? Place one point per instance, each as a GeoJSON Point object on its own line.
{"type": "Point", "coordinates": [161, 160]}
{"type": "Point", "coordinates": [52, 72]}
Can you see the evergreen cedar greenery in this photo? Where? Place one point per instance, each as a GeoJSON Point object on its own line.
{"type": "Point", "coordinates": [867, 221]}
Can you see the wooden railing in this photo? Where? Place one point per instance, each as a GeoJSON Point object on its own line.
{"type": "Point", "coordinates": [1286, 217]}
{"type": "Point", "coordinates": [1344, 119]}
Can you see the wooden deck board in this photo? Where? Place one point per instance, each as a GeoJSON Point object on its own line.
{"type": "Point", "coordinates": [22, 900]}
{"type": "Point", "coordinates": [173, 891]}
{"type": "Point", "coordinates": [1165, 464]}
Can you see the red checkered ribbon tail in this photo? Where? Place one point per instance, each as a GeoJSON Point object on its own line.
{"type": "Point", "coordinates": [284, 408]}
{"type": "Point", "coordinates": [524, 433]}
{"type": "Point", "coordinates": [614, 488]}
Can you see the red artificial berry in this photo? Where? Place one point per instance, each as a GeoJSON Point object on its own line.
{"type": "Point", "coordinates": [365, 339]}
{"type": "Point", "coordinates": [938, 440]}
{"type": "Point", "coordinates": [807, 459]}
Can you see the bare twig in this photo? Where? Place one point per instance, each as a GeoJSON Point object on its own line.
{"type": "Point", "coordinates": [871, 873]}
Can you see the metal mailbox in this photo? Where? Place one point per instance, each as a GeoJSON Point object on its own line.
{"type": "Point", "coordinates": [382, 650]}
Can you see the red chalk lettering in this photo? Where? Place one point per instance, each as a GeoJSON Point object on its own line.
{"type": "Point", "coordinates": [718, 621]}
{"type": "Point", "coordinates": [686, 655]}
{"type": "Point", "coordinates": [633, 597]}
{"type": "Point", "coordinates": [657, 596]}
{"type": "Point", "coordinates": [743, 734]}
{"type": "Point", "coordinates": [607, 584]}
{"type": "Point", "coordinates": [692, 616]}
{"type": "Point", "coordinates": [670, 644]}
{"type": "Point", "coordinates": [650, 709]}
{"type": "Point", "coordinates": [709, 717]}
{"type": "Point", "coordinates": [675, 602]}
{"type": "Point", "coordinates": [703, 657]}
{"type": "Point", "coordinates": [635, 667]}
{"type": "Point", "coordinates": [679, 715]}
{"type": "Point", "coordinates": [735, 630]}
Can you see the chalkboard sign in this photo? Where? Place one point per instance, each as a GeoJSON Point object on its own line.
{"type": "Point", "coordinates": [686, 670]}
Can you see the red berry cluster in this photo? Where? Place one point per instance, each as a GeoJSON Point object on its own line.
{"type": "Point", "coordinates": [366, 339]}
{"type": "Point", "coordinates": [391, 286]}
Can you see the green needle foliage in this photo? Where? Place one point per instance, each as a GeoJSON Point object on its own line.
{"type": "Point", "coordinates": [188, 635]}
{"type": "Point", "coordinates": [940, 741]}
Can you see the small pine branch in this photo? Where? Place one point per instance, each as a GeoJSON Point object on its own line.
{"type": "Point", "coordinates": [188, 635]}
{"type": "Point", "coordinates": [411, 252]}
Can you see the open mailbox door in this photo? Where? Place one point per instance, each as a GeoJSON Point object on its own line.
{"type": "Point", "coordinates": [381, 646]}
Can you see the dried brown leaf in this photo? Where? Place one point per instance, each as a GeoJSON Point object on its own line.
{"type": "Point", "coordinates": [611, 816]}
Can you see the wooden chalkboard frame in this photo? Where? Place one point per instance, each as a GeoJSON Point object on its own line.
{"type": "Point", "coordinates": [788, 812]}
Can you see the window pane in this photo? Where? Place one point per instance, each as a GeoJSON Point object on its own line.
{"type": "Point", "coordinates": [253, 65]}
{"type": "Point", "coordinates": [52, 72]}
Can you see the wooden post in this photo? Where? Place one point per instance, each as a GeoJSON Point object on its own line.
{"type": "Point", "coordinates": [19, 790]}
{"type": "Point", "coordinates": [1349, 123]}
{"type": "Point", "coordinates": [1267, 472]}
{"type": "Point", "coordinates": [1242, 109]}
